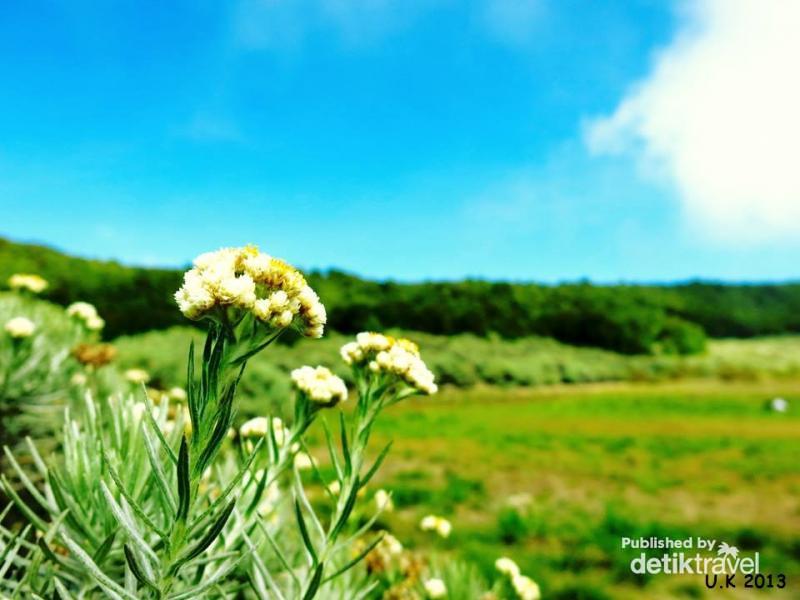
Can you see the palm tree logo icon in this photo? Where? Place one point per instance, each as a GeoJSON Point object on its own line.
{"type": "Point", "coordinates": [725, 550]}
{"type": "Point", "coordinates": [728, 553]}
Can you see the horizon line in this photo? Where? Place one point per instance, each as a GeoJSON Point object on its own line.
{"type": "Point", "coordinates": [690, 280]}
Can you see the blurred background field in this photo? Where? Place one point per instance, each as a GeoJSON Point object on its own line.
{"type": "Point", "coordinates": [555, 477]}
{"type": "Point", "coordinates": [539, 449]}
{"type": "Point", "coordinates": [465, 361]}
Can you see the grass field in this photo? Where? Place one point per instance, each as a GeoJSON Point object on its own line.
{"type": "Point", "coordinates": [554, 477]}
{"type": "Point", "coordinates": [466, 360]}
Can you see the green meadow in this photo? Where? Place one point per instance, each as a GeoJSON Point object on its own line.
{"type": "Point", "coordinates": [554, 477]}
{"type": "Point", "coordinates": [550, 453]}
{"type": "Point", "coordinates": [534, 449]}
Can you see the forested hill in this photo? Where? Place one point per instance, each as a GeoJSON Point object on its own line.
{"type": "Point", "coordinates": [626, 318]}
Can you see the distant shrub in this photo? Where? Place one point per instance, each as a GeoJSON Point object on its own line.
{"type": "Point", "coordinates": [681, 337]}
{"type": "Point", "coordinates": [466, 360]}
{"type": "Point", "coordinates": [511, 526]}
{"type": "Point", "coordinates": [456, 370]}
{"type": "Point", "coordinates": [405, 495]}
{"type": "Point", "coordinates": [749, 539]}
{"type": "Point", "coordinates": [460, 489]}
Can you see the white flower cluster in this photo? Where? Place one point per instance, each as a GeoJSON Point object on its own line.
{"type": "Point", "coordinates": [20, 327]}
{"type": "Point", "coordinates": [178, 394]}
{"type": "Point", "coordinates": [391, 544]}
{"type": "Point", "coordinates": [274, 291]}
{"type": "Point", "coordinates": [385, 552]}
{"type": "Point", "coordinates": [185, 417]}
{"type": "Point", "coordinates": [258, 427]}
{"type": "Point", "coordinates": [383, 501]}
{"type": "Point", "coordinates": [85, 312]}
{"type": "Point", "coordinates": [385, 354]}
{"type": "Point", "coordinates": [438, 524]}
{"type": "Point", "coordinates": [137, 376]}
{"type": "Point", "coordinates": [303, 461]}
{"type": "Point", "coordinates": [525, 587]}
{"type": "Point", "coordinates": [320, 385]}
{"type": "Point", "coordinates": [506, 566]}
{"type": "Point", "coordinates": [26, 281]}
{"type": "Point", "coordinates": [435, 588]}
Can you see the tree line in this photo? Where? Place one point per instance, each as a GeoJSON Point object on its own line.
{"type": "Point", "coordinates": [627, 318]}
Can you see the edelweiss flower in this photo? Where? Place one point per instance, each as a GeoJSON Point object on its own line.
{"type": "Point", "coordinates": [78, 379]}
{"type": "Point", "coordinates": [259, 427]}
{"type": "Point", "coordinates": [26, 281]}
{"type": "Point", "coordinates": [438, 524]}
{"type": "Point", "coordinates": [380, 558]}
{"type": "Point", "coordinates": [275, 292]}
{"type": "Point", "coordinates": [383, 501]}
{"type": "Point", "coordinates": [387, 355]}
{"type": "Point", "coordinates": [302, 461]}
{"type": "Point", "coordinates": [391, 544]}
{"type": "Point", "coordinates": [435, 588]}
{"type": "Point", "coordinates": [526, 588]}
{"type": "Point", "coordinates": [177, 393]}
{"type": "Point", "coordinates": [320, 385]}
{"type": "Point", "coordinates": [95, 355]}
{"type": "Point", "coordinates": [137, 376]}
{"type": "Point", "coordinates": [20, 327]}
{"type": "Point", "coordinates": [86, 313]}
{"type": "Point", "coordinates": [506, 566]}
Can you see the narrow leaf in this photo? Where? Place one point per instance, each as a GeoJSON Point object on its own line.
{"type": "Point", "coordinates": [157, 428]}
{"type": "Point", "coordinates": [184, 491]}
{"type": "Point", "coordinates": [263, 572]}
{"type": "Point", "coordinates": [278, 551]}
{"type": "Point", "coordinates": [315, 582]}
{"type": "Point", "coordinates": [228, 490]}
{"type": "Point", "coordinates": [211, 535]}
{"type": "Point", "coordinates": [332, 451]}
{"type": "Point", "coordinates": [348, 466]}
{"type": "Point", "coordinates": [301, 522]}
{"type": "Point", "coordinates": [348, 508]}
{"type": "Point", "coordinates": [75, 517]}
{"type": "Point", "coordinates": [158, 471]}
{"type": "Point", "coordinates": [376, 465]}
{"type": "Point", "coordinates": [136, 570]}
{"type": "Point", "coordinates": [191, 396]}
{"type": "Point", "coordinates": [102, 552]}
{"type": "Point", "coordinates": [138, 511]}
{"type": "Point", "coordinates": [127, 524]}
{"type": "Point", "coordinates": [26, 481]}
{"type": "Point", "coordinates": [61, 590]}
{"type": "Point", "coordinates": [356, 560]}
{"type": "Point", "coordinates": [113, 589]}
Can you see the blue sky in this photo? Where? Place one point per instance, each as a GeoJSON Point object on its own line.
{"type": "Point", "coordinates": [407, 139]}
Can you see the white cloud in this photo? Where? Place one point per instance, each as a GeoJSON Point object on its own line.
{"type": "Point", "coordinates": [719, 117]}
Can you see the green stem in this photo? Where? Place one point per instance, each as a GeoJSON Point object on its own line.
{"type": "Point", "coordinates": [366, 412]}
